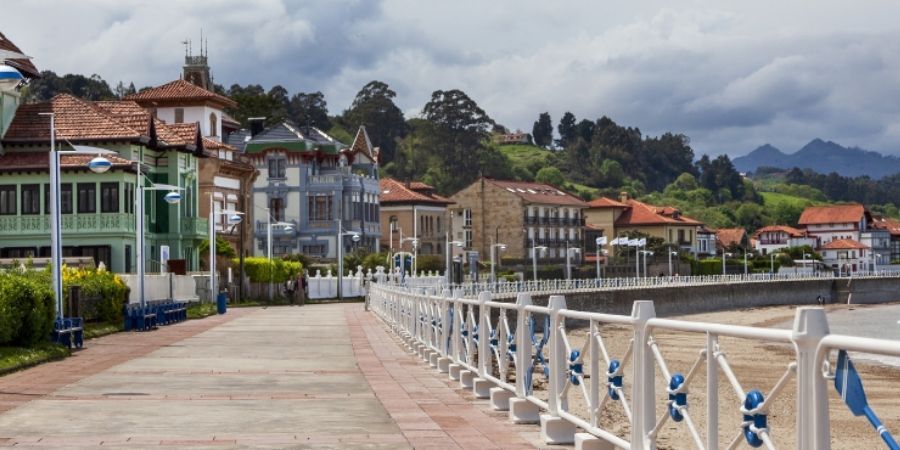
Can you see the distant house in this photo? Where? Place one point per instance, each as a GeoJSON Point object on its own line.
{"type": "Point", "coordinates": [854, 226]}
{"type": "Point", "coordinates": [706, 241]}
{"type": "Point", "coordinates": [617, 217]}
{"type": "Point", "coordinates": [775, 237]}
{"type": "Point", "coordinates": [413, 211]}
{"type": "Point", "coordinates": [892, 226]}
{"type": "Point", "coordinates": [519, 137]}
{"type": "Point", "coordinates": [519, 214]}
{"type": "Point", "coordinates": [845, 255]}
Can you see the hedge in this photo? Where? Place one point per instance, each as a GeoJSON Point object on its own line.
{"type": "Point", "coordinates": [262, 270]}
{"type": "Point", "coordinates": [26, 307]}
{"type": "Point", "coordinates": [103, 294]}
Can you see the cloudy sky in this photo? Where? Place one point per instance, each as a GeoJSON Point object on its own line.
{"type": "Point", "coordinates": [732, 75]}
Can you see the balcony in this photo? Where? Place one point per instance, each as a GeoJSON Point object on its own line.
{"type": "Point", "coordinates": [194, 226]}
{"type": "Point", "coordinates": [108, 223]}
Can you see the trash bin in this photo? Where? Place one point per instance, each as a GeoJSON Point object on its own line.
{"type": "Point", "coordinates": [221, 301]}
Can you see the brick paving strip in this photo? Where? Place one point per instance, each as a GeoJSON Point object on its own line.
{"type": "Point", "coordinates": [431, 410]}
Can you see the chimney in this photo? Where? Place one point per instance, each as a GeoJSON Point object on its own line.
{"type": "Point", "coordinates": [623, 197]}
{"type": "Point", "coordinates": [256, 125]}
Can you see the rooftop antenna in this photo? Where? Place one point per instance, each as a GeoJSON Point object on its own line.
{"type": "Point", "coordinates": [185, 44]}
{"type": "Point", "coordinates": [201, 41]}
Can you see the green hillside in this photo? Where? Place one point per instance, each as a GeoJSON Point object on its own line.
{"type": "Point", "coordinates": [529, 157]}
{"type": "Point", "coordinates": [774, 200]}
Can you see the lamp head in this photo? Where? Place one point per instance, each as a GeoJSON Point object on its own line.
{"type": "Point", "coordinates": [99, 164]}
{"type": "Point", "coordinates": [235, 219]}
{"type": "Point", "coordinates": [355, 238]}
{"type": "Point", "coordinates": [172, 197]}
{"type": "Point", "coordinates": [288, 228]}
{"type": "Point", "coordinates": [9, 78]}
{"type": "Point", "coordinates": [502, 247]}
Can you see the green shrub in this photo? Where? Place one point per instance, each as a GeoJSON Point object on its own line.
{"type": "Point", "coordinates": [430, 263]}
{"type": "Point", "coordinates": [262, 270]}
{"type": "Point", "coordinates": [103, 294]}
{"type": "Point", "coordinates": [26, 308]}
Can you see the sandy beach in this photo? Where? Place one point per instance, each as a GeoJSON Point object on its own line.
{"type": "Point", "coordinates": [756, 366]}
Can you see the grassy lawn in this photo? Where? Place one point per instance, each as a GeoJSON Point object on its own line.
{"type": "Point", "coordinates": [774, 198]}
{"type": "Point", "coordinates": [201, 310]}
{"type": "Point", "coordinates": [15, 358]}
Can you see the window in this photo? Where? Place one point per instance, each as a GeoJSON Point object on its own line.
{"type": "Point", "coordinates": [31, 199]}
{"type": "Point", "coordinates": [109, 197]}
{"type": "Point", "coordinates": [87, 197]}
{"type": "Point", "coordinates": [467, 217]}
{"type": "Point", "coordinates": [8, 199]}
{"type": "Point", "coordinates": [129, 199]}
{"type": "Point", "coordinates": [276, 208]}
{"type": "Point", "coordinates": [65, 198]}
{"type": "Point", "coordinates": [179, 115]}
{"type": "Point", "coordinates": [320, 207]}
{"type": "Point", "coordinates": [213, 124]}
{"type": "Point", "coordinates": [277, 168]}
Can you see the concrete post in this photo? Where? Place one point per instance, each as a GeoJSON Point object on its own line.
{"type": "Point", "coordinates": [520, 409]}
{"type": "Point", "coordinates": [810, 326]}
{"type": "Point", "coordinates": [481, 385]}
{"type": "Point", "coordinates": [643, 389]}
{"type": "Point", "coordinates": [554, 429]}
{"type": "Point", "coordinates": [444, 344]}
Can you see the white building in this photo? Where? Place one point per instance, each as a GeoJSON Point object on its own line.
{"type": "Point", "coordinates": [776, 237]}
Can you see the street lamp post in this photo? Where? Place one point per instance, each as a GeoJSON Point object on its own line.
{"type": "Point", "coordinates": [493, 264]}
{"type": "Point", "coordinates": [447, 256]}
{"type": "Point", "coordinates": [569, 251]}
{"type": "Point", "coordinates": [288, 227]}
{"type": "Point", "coordinates": [534, 251]}
{"type": "Point", "coordinates": [234, 218]}
{"type": "Point", "coordinates": [671, 254]}
{"type": "Point", "coordinates": [97, 165]}
{"type": "Point", "coordinates": [724, 256]}
{"type": "Point", "coordinates": [745, 261]}
{"type": "Point", "coordinates": [805, 255]}
{"type": "Point", "coordinates": [646, 253]}
{"type": "Point", "coordinates": [600, 241]}
{"type": "Point", "coordinates": [340, 255]}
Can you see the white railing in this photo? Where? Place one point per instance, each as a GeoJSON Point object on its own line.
{"type": "Point", "coordinates": [509, 289]}
{"type": "Point", "coordinates": [499, 348]}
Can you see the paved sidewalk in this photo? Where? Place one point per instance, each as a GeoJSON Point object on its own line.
{"type": "Point", "coordinates": [323, 376]}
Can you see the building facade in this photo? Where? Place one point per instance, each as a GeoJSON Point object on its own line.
{"type": "Point", "coordinates": [413, 213]}
{"type": "Point", "coordinates": [11, 97]}
{"type": "Point", "coordinates": [519, 215]}
{"type": "Point", "coordinates": [225, 176]}
{"type": "Point", "coordinates": [777, 237]}
{"type": "Point", "coordinates": [319, 186]}
{"type": "Point", "coordinates": [619, 217]}
{"type": "Point", "coordinates": [98, 210]}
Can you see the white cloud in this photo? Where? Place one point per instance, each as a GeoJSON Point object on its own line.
{"type": "Point", "coordinates": [731, 75]}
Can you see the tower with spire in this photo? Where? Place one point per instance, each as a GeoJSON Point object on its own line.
{"type": "Point", "coordinates": [196, 67]}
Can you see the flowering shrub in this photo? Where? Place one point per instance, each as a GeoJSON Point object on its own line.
{"type": "Point", "coordinates": [103, 293]}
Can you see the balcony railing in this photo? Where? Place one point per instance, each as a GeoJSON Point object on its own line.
{"type": "Point", "coordinates": [84, 223]}
{"type": "Point", "coordinates": [196, 226]}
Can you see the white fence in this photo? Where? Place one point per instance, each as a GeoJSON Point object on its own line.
{"type": "Point", "coordinates": [498, 349]}
{"type": "Point", "coordinates": [509, 289]}
{"type": "Point", "coordinates": [162, 287]}
{"type": "Point", "coordinates": [355, 284]}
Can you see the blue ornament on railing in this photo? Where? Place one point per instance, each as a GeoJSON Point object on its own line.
{"type": "Point", "coordinates": [614, 380]}
{"type": "Point", "coordinates": [676, 398]}
{"type": "Point", "coordinates": [752, 401]}
{"type": "Point", "coordinates": [575, 368]}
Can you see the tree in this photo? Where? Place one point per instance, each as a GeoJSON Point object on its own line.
{"type": "Point", "coordinates": [567, 129]}
{"type": "Point", "coordinates": [585, 130]}
{"type": "Point", "coordinates": [278, 99]}
{"type": "Point", "coordinates": [542, 131]}
{"type": "Point", "coordinates": [374, 108]}
{"type": "Point", "coordinates": [551, 176]}
{"type": "Point", "coordinates": [453, 110]}
{"type": "Point", "coordinates": [309, 110]}
{"type": "Point", "coordinates": [49, 85]}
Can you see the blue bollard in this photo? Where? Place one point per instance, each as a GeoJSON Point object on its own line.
{"type": "Point", "coordinates": [221, 300]}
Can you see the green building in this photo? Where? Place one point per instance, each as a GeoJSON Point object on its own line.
{"type": "Point", "coordinates": [98, 210]}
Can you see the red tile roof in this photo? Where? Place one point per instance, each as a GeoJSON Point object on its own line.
{"type": "Point", "coordinates": [892, 225]}
{"type": "Point", "coordinates": [790, 231]}
{"type": "Point", "coordinates": [539, 193]}
{"type": "Point", "coordinates": [39, 161]}
{"type": "Point", "coordinates": [362, 144]}
{"type": "Point", "coordinates": [844, 244]}
{"type": "Point", "coordinates": [75, 119]}
{"type": "Point", "coordinates": [639, 213]}
{"type": "Point", "coordinates": [396, 192]}
{"type": "Point", "coordinates": [814, 215]}
{"type": "Point", "coordinates": [22, 65]}
{"type": "Point", "coordinates": [729, 236]}
{"type": "Point", "coordinates": [180, 91]}
{"type": "Point", "coordinates": [211, 144]}
{"type": "Point", "coordinates": [604, 202]}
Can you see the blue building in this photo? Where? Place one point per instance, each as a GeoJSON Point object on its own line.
{"type": "Point", "coordinates": [310, 180]}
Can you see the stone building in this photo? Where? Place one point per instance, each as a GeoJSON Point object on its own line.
{"type": "Point", "coordinates": [412, 211]}
{"type": "Point", "coordinates": [518, 214]}
{"type": "Point", "coordinates": [617, 217]}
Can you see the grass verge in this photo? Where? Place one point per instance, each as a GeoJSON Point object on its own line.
{"type": "Point", "coordinates": [201, 310]}
{"type": "Point", "coordinates": [95, 330]}
{"type": "Point", "coordinates": [17, 358]}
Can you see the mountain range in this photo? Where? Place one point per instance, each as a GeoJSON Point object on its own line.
{"type": "Point", "coordinates": [823, 157]}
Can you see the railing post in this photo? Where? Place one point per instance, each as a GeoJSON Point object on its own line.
{"type": "Point", "coordinates": [643, 385]}
{"type": "Point", "coordinates": [484, 338]}
{"type": "Point", "coordinates": [554, 429]}
{"type": "Point", "coordinates": [810, 326]}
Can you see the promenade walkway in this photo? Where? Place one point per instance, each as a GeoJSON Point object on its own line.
{"type": "Point", "coordinates": [323, 376]}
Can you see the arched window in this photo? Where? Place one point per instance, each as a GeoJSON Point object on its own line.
{"type": "Point", "coordinates": [213, 124]}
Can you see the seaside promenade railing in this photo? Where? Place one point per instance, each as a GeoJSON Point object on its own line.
{"type": "Point", "coordinates": [502, 349]}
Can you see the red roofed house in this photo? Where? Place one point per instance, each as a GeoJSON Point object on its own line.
{"type": "Point", "coordinates": [775, 237]}
{"type": "Point", "coordinates": [98, 210]}
{"type": "Point", "coordinates": [519, 214]}
{"type": "Point", "coordinates": [413, 211]}
{"type": "Point", "coordinates": [727, 238]}
{"type": "Point", "coordinates": [851, 222]}
{"type": "Point", "coordinates": [226, 175]}
{"type": "Point", "coordinates": [846, 255]}
{"type": "Point", "coordinates": [617, 217]}
{"type": "Point", "coordinates": [892, 226]}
